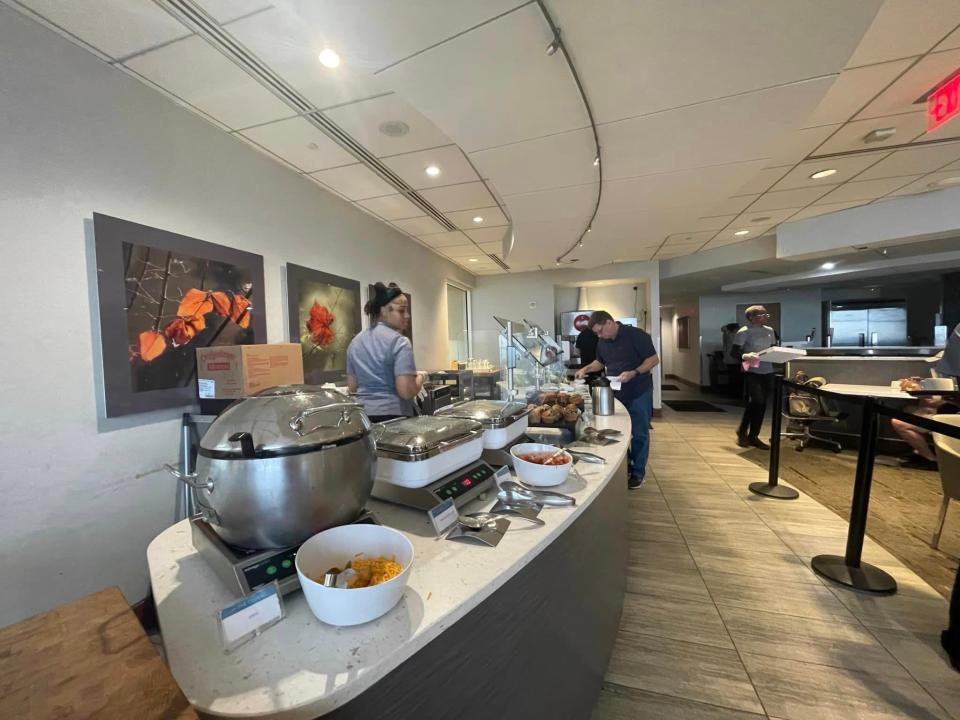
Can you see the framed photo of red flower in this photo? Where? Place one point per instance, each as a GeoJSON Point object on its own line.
{"type": "Point", "coordinates": [324, 315]}
{"type": "Point", "coordinates": [161, 296]}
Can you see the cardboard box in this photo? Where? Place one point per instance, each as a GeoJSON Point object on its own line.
{"type": "Point", "coordinates": [227, 372]}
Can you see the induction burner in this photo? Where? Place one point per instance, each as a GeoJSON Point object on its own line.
{"type": "Point", "coordinates": [244, 570]}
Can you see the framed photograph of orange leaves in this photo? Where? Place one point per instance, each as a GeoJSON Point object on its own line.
{"type": "Point", "coordinates": [161, 296]}
{"type": "Point", "coordinates": [324, 315]}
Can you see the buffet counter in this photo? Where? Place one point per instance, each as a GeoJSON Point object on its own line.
{"type": "Point", "coordinates": [521, 630]}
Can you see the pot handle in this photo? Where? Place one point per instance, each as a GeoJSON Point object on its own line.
{"type": "Point", "coordinates": [189, 479]}
{"type": "Point", "coordinates": [246, 444]}
{"type": "Point", "coordinates": [296, 423]}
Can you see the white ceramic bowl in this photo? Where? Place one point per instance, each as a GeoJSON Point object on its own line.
{"type": "Point", "coordinates": [535, 474]}
{"type": "Point", "coordinates": [333, 548]}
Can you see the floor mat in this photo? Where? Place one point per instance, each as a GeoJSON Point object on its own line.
{"type": "Point", "coordinates": [692, 406]}
{"type": "Point", "coordinates": [669, 387]}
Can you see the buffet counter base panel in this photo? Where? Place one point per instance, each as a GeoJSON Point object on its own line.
{"type": "Point", "coordinates": [523, 630]}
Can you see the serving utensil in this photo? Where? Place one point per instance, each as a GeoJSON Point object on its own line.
{"type": "Point", "coordinates": [331, 577]}
{"type": "Point", "coordinates": [514, 493]}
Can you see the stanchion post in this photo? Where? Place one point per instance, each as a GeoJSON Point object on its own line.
{"type": "Point", "coordinates": [849, 570]}
{"type": "Point", "coordinates": [772, 488]}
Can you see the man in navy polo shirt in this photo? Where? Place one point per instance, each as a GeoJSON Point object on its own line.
{"type": "Point", "coordinates": [627, 353]}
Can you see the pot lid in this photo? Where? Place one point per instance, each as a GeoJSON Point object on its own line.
{"type": "Point", "coordinates": [415, 435]}
{"type": "Point", "coordinates": [492, 413]}
{"type": "Point", "coordinates": [284, 420]}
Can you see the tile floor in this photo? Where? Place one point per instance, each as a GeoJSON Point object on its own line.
{"type": "Point", "coordinates": [724, 620]}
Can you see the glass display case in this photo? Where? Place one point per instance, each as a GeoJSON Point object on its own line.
{"type": "Point", "coordinates": [529, 357]}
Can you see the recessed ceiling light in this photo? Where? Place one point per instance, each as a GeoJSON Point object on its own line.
{"type": "Point", "coordinates": [471, 259]}
{"type": "Point", "coordinates": [478, 219]}
{"type": "Point", "coordinates": [432, 170]}
{"type": "Point", "coordinates": [394, 128]}
{"type": "Point", "coordinates": [945, 182]}
{"type": "Point", "coordinates": [823, 173]}
{"type": "Point", "coordinates": [879, 135]}
{"type": "Point", "coordinates": [829, 265]}
{"type": "Point", "coordinates": [740, 233]}
{"type": "Point", "coordinates": [329, 58]}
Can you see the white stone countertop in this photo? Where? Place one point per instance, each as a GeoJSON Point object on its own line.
{"type": "Point", "coordinates": [302, 668]}
{"type": "Point", "coordinates": [877, 391]}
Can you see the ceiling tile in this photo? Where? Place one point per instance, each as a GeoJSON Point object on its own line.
{"type": "Point", "coordinates": [846, 167]}
{"type": "Point", "coordinates": [909, 126]}
{"type": "Point", "coordinates": [419, 225]}
{"type": "Point", "coordinates": [493, 85]}
{"type": "Point", "coordinates": [462, 251]}
{"type": "Point", "coordinates": [223, 11]}
{"type": "Point", "coordinates": [194, 71]}
{"type": "Point", "coordinates": [866, 189]}
{"type": "Point", "coordinates": [554, 161]}
{"type": "Point", "coordinates": [681, 239]}
{"type": "Point", "coordinates": [290, 48]}
{"type": "Point", "coordinates": [641, 57]}
{"type": "Point", "coordinates": [492, 248]}
{"type": "Point", "coordinates": [922, 184]}
{"type": "Point", "coordinates": [787, 199]}
{"type": "Point", "coordinates": [763, 180]}
{"type": "Point", "coordinates": [574, 203]}
{"type": "Point", "coordinates": [454, 167]}
{"type": "Point", "coordinates": [459, 197]}
{"type": "Point", "coordinates": [300, 143]}
{"type": "Point", "coordinates": [712, 223]}
{"type": "Point", "coordinates": [727, 236]}
{"type": "Point", "coordinates": [443, 239]}
{"type": "Point", "coordinates": [362, 121]}
{"type": "Point", "coordinates": [903, 28]}
{"type": "Point", "coordinates": [116, 28]}
{"type": "Point", "coordinates": [922, 77]}
{"type": "Point", "coordinates": [724, 131]}
{"type": "Point", "coordinates": [463, 219]}
{"type": "Point", "coordinates": [356, 182]}
{"type": "Point", "coordinates": [401, 28]}
{"type": "Point", "coordinates": [852, 90]}
{"type": "Point", "coordinates": [913, 161]}
{"type": "Point", "coordinates": [734, 205]}
{"type": "Point", "coordinates": [797, 144]}
{"type": "Point", "coordinates": [756, 222]}
{"type": "Point", "coordinates": [489, 235]}
{"type": "Point", "coordinates": [394, 207]}
{"type": "Point", "coordinates": [815, 210]}
{"type": "Point", "coordinates": [950, 42]}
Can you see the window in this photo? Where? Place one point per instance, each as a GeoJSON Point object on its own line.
{"type": "Point", "coordinates": [458, 323]}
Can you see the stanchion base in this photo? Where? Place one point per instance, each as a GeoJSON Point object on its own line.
{"type": "Point", "coordinates": [866, 577]}
{"type": "Point", "coordinates": [780, 492]}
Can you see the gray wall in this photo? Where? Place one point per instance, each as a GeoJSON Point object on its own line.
{"type": "Point", "coordinates": [82, 497]}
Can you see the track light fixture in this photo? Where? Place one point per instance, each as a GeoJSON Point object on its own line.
{"type": "Point", "coordinates": [554, 44]}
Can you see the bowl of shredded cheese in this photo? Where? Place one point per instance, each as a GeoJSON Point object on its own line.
{"type": "Point", "coordinates": [380, 559]}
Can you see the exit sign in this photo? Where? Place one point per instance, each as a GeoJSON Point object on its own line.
{"type": "Point", "coordinates": [943, 103]}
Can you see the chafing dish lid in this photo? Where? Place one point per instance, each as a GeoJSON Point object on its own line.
{"type": "Point", "coordinates": [491, 413]}
{"type": "Point", "coordinates": [286, 420]}
{"type": "Point", "coordinates": [417, 435]}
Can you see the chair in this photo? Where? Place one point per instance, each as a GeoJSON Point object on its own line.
{"type": "Point", "coordinates": [804, 434]}
{"type": "Point", "coordinates": [948, 458]}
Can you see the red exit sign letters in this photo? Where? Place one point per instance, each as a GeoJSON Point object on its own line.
{"type": "Point", "coordinates": [943, 103]}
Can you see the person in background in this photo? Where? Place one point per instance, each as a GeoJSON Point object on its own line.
{"type": "Point", "coordinates": [628, 354]}
{"type": "Point", "coordinates": [381, 370]}
{"type": "Point", "coordinates": [586, 344]}
{"type": "Point", "coordinates": [750, 340]}
{"type": "Point", "coordinates": [949, 366]}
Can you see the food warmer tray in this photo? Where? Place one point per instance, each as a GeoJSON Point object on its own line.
{"type": "Point", "coordinates": [414, 452]}
{"type": "Point", "coordinates": [503, 421]}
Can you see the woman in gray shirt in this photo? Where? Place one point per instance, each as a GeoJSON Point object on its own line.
{"type": "Point", "coordinates": [381, 370]}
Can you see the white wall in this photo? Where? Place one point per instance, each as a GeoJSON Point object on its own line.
{"type": "Point", "coordinates": [799, 312]}
{"type": "Point", "coordinates": [684, 363]}
{"type": "Point", "coordinates": [619, 300]}
{"type": "Point", "coordinates": [533, 296]}
{"type": "Point", "coordinates": [82, 498]}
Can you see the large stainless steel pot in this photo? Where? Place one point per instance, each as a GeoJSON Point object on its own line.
{"type": "Point", "coordinates": [282, 465]}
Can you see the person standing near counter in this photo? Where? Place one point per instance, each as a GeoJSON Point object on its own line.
{"type": "Point", "coordinates": [381, 370]}
{"type": "Point", "coordinates": [627, 353]}
{"type": "Point", "coordinates": [750, 340]}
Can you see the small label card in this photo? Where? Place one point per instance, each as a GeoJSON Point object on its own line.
{"type": "Point", "coordinates": [250, 616]}
{"type": "Point", "coordinates": [443, 516]}
{"type": "Point", "coordinates": [502, 473]}
{"type": "Point", "coordinates": [207, 388]}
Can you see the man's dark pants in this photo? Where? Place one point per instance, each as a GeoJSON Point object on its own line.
{"type": "Point", "coordinates": [756, 390]}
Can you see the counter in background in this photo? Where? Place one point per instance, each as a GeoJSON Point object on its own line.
{"type": "Point", "coordinates": [517, 631]}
